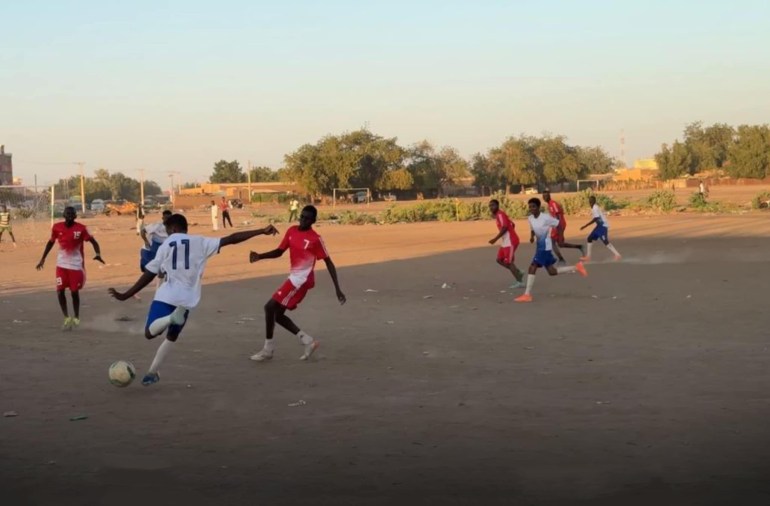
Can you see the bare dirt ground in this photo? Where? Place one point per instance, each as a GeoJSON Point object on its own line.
{"type": "Point", "coordinates": [644, 384]}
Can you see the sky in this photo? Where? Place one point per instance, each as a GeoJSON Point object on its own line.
{"type": "Point", "coordinates": [177, 85]}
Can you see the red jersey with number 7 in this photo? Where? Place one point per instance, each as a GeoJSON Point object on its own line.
{"type": "Point", "coordinates": [305, 247]}
{"type": "Point", "coordinates": [70, 241]}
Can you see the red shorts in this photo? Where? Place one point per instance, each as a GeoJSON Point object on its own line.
{"type": "Point", "coordinates": [69, 278]}
{"type": "Point", "coordinates": [558, 236]}
{"type": "Point", "coordinates": [507, 254]}
{"type": "Point", "coordinates": [290, 296]}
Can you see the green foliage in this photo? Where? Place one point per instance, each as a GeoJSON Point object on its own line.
{"type": "Point", "coordinates": [107, 186]}
{"type": "Point", "coordinates": [577, 203]}
{"type": "Point", "coordinates": [595, 160]}
{"type": "Point", "coordinates": [675, 161]}
{"type": "Point", "coordinates": [662, 200]}
{"type": "Point", "coordinates": [760, 200]}
{"type": "Point", "coordinates": [227, 172]}
{"type": "Point", "coordinates": [263, 175]}
{"type": "Point", "coordinates": [750, 153]}
{"type": "Point", "coordinates": [698, 201]}
{"type": "Point", "coordinates": [399, 179]}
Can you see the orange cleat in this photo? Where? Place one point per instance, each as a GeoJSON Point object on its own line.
{"type": "Point", "coordinates": [618, 258]}
{"type": "Point", "coordinates": [523, 298]}
{"type": "Point", "coordinates": [585, 259]}
{"type": "Point", "coordinates": [581, 269]}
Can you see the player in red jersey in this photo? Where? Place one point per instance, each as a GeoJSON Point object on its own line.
{"type": "Point", "coordinates": [506, 255]}
{"type": "Point", "coordinates": [557, 234]}
{"type": "Point", "coordinates": [305, 247]}
{"type": "Point", "coordinates": [70, 264]}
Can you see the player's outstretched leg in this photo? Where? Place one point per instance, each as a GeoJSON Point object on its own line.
{"type": "Point", "coordinates": [589, 247]}
{"type": "Point", "coordinates": [160, 324]}
{"type": "Point", "coordinates": [152, 375]}
{"type": "Point", "coordinates": [613, 250]}
{"type": "Point", "coordinates": [271, 312]}
{"type": "Point", "coordinates": [75, 320]}
{"type": "Point", "coordinates": [62, 298]}
{"type": "Point", "coordinates": [527, 296]}
{"type": "Point", "coordinates": [305, 339]}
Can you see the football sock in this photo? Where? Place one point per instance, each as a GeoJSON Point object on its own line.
{"type": "Point", "coordinates": [160, 355]}
{"type": "Point", "coordinates": [530, 284]}
{"type": "Point", "coordinates": [566, 269]}
{"type": "Point", "coordinates": [159, 325]}
{"type": "Point", "coordinates": [269, 345]}
{"type": "Point", "coordinates": [304, 338]}
{"type": "Point", "coordinates": [588, 249]}
{"type": "Point", "coordinates": [614, 251]}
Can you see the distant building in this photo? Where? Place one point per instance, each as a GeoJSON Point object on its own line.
{"type": "Point", "coordinates": [6, 167]}
{"type": "Point", "coordinates": [643, 170]}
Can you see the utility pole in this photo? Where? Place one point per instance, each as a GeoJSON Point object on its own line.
{"type": "Point", "coordinates": [141, 187]}
{"type": "Point", "coordinates": [82, 187]}
{"type": "Point", "coordinates": [248, 173]}
{"type": "Point", "coordinates": [171, 175]}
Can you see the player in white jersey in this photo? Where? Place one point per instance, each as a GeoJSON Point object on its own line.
{"type": "Point", "coordinates": [600, 232]}
{"type": "Point", "coordinates": [153, 236]}
{"type": "Point", "coordinates": [541, 225]}
{"type": "Point", "coordinates": [182, 258]}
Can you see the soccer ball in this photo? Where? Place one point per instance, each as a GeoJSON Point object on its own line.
{"type": "Point", "coordinates": [122, 373]}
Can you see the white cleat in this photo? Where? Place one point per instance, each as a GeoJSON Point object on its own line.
{"type": "Point", "coordinates": [309, 349]}
{"type": "Point", "coordinates": [263, 356]}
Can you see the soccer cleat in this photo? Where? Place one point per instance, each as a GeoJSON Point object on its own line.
{"type": "Point", "coordinates": [518, 284]}
{"type": "Point", "coordinates": [177, 317]}
{"type": "Point", "coordinates": [74, 323]}
{"type": "Point", "coordinates": [263, 356]}
{"type": "Point", "coordinates": [585, 259]}
{"type": "Point", "coordinates": [309, 349]}
{"type": "Point", "coordinates": [523, 298]}
{"type": "Point", "coordinates": [618, 258]}
{"type": "Point", "coordinates": [67, 325]}
{"type": "Point", "coordinates": [581, 269]}
{"type": "Point", "coordinates": [150, 379]}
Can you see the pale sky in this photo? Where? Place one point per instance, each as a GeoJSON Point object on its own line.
{"type": "Point", "coordinates": [178, 85]}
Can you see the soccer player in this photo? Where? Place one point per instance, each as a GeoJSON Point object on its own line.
{"type": "Point", "coordinates": [5, 224]}
{"type": "Point", "coordinates": [224, 206]}
{"type": "Point", "coordinates": [601, 230]}
{"type": "Point", "coordinates": [214, 219]}
{"type": "Point", "coordinates": [305, 247]}
{"type": "Point", "coordinates": [506, 254]}
{"type": "Point", "coordinates": [541, 225]}
{"type": "Point", "coordinates": [153, 236]}
{"type": "Point", "coordinates": [557, 234]}
{"type": "Point", "coordinates": [182, 258]}
{"type": "Point", "coordinates": [70, 263]}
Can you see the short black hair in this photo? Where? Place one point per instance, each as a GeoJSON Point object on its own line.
{"type": "Point", "coordinates": [68, 208]}
{"type": "Point", "coordinates": [495, 201]}
{"type": "Point", "coordinates": [312, 210]}
{"type": "Point", "coordinates": [535, 201]}
{"type": "Point", "coordinates": [177, 221]}
{"type": "Point", "coordinates": [167, 213]}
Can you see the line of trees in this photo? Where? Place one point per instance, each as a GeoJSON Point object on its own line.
{"type": "Point", "coordinates": [107, 186]}
{"type": "Point", "coordinates": [362, 159]}
{"type": "Point", "coordinates": [742, 151]}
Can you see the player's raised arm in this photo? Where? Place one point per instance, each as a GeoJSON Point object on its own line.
{"type": "Point", "coordinates": [333, 273]}
{"type": "Point", "coordinates": [97, 250]}
{"type": "Point", "coordinates": [239, 237]}
{"type": "Point", "coordinates": [144, 280]}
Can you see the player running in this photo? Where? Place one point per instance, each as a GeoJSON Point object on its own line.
{"type": "Point", "coordinates": [5, 224]}
{"type": "Point", "coordinates": [305, 247]}
{"type": "Point", "coordinates": [541, 225]}
{"type": "Point", "coordinates": [70, 263]}
{"type": "Point", "coordinates": [600, 232]}
{"type": "Point", "coordinates": [506, 255]}
{"type": "Point", "coordinates": [557, 234]}
{"type": "Point", "coordinates": [182, 257]}
{"type": "Point", "coordinates": [153, 236]}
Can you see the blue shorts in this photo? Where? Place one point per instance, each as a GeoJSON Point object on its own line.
{"type": "Point", "coordinates": [600, 233]}
{"type": "Point", "coordinates": [544, 258]}
{"type": "Point", "coordinates": [160, 309]}
{"type": "Point", "coordinates": [147, 255]}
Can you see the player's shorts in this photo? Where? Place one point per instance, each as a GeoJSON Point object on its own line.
{"type": "Point", "coordinates": [6, 228]}
{"type": "Point", "coordinates": [147, 255]}
{"type": "Point", "coordinates": [507, 254]}
{"type": "Point", "coordinates": [557, 236]}
{"type": "Point", "coordinates": [600, 233]}
{"type": "Point", "coordinates": [160, 309]}
{"type": "Point", "coordinates": [544, 258]}
{"type": "Point", "coordinates": [70, 278]}
{"type": "Point", "coordinates": [289, 296]}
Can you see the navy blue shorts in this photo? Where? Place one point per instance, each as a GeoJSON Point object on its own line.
{"type": "Point", "coordinates": [160, 309]}
{"type": "Point", "coordinates": [600, 233]}
{"type": "Point", "coordinates": [147, 255]}
{"type": "Point", "coordinates": [544, 258]}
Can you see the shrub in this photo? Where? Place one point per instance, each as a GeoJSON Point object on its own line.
{"type": "Point", "coordinates": [698, 201]}
{"type": "Point", "coordinates": [578, 202]}
{"type": "Point", "coordinates": [760, 200]}
{"type": "Point", "coordinates": [662, 200]}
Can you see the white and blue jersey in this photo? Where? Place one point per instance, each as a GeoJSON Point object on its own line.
{"type": "Point", "coordinates": [156, 235]}
{"type": "Point", "coordinates": [541, 226]}
{"type": "Point", "coordinates": [602, 229]}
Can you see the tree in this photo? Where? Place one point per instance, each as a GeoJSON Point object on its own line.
{"type": "Point", "coordinates": [708, 146]}
{"type": "Point", "coordinates": [750, 153]}
{"type": "Point", "coordinates": [486, 173]}
{"type": "Point", "coordinates": [227, 172]}
{"type": "Point", "coordinates": [517, 160]}
{"type": "Point", "coordinates": [595, 160]}
{"type": "Point", "coordinates": [558, 160]}
{"type": "Point", "coordinates": [152, 188]}
{"type": "Point", "coordinates": [399, 179]}
{"type": "Point", "coordinates": [263, 174]}
{"type": "Point", "coordinates": [675, 161]}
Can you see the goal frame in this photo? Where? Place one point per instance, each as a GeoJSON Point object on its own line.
{"type": "Point", "coordinates": [335, 190]}
{"type": "Point", "coordinates": [591, 183]}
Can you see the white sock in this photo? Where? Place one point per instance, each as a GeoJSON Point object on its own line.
{"type": "Point", "coordinates": [566, 269]}
{"type": "Point", "coordinates": [304, 337]}
{"type": "Point", "coordinates": [530, 284]}
{"type": "Point", "coordinates": [269, 345]}
{"type": "Point", "coordinates": [160, 355]}
{"type": "Point", "coordinates": [157, 327]}
{"type": "Point", "coordinates": [588, 249]}
{"type": "Point", "coordinates": [612, 248]}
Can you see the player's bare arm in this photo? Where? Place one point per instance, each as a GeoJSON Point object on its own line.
{"type": "Point", "coordinates": [240, 237]}
{"type": "Point", "coordinates": [531, 236]}
{"type": "Point", "coordinates": [97, 250]}
{"type": "Point", "coordinates": [144, 280]}
{"type": "Point", "coordinates": [143, 235]}
{"type": "Point", "coordinates": [498, 236]}
{"type": "Point", "coordinates": [48, 248]}
{"type": "Point", "coordinates": [333, 273]}
{"type": "Point", "coordinates": [256, 257]}
{"type": "Point", "coordinates": [595, 220]}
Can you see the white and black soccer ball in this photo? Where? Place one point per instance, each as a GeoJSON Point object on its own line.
{"type": "Point", "coordinates": [122, 373]}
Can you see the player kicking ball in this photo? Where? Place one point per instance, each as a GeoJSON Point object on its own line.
{"type": "Point", "coordinates": [541, 225]}
{"type": "Point", "coordinates": [305, 247]}
{"type": "Point", "coordinates": [70, 263]}
{"type": "Point", "coordinates": [506, 255]}
{"type": "Point", "coordinates": [601, 231]}
{"type": "Point", "coordinates": [182, 258]}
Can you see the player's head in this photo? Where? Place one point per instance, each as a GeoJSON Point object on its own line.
{"type": "Point", "coordinates": [591, 200]}
{"type": "Point", "coordinates": [166, 215]}
{"type": "Point", "coordinates": [547, 195]}
{"type": "Point", "coordinates": [70, 215]}
{"type": "Point", "coordinates": [213, 203]}
{"type": "Point", "coordinates": [534, 206]}
{"type": "Point", "coordinates": [307, 217]}
{"type": "Point", "coordinates": [176, 224]}
{"type": "Point", "coordinates": [494, 206]}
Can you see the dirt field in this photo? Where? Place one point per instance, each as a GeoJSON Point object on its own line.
{"type": "Point", "coordinates": [644, 384]}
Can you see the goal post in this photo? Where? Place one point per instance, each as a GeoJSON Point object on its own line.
{"type": "Point", "coordinates": [590, 183]}
{"type": "Point", "coordinates": [27, 202]}
{"type": "Point", "coordinates": [359, 195]}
